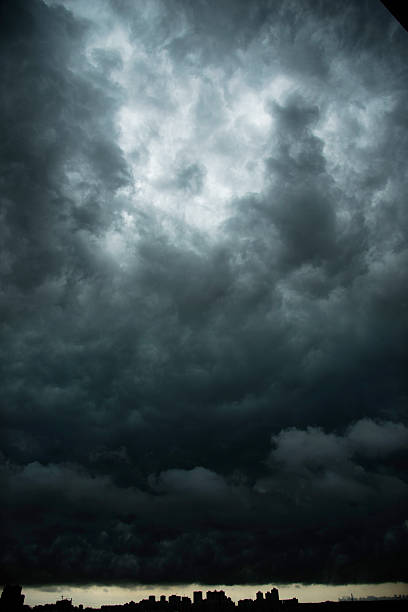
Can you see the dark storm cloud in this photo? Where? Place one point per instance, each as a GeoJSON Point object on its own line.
{"type": "Point", "coordinates": [224, 403]}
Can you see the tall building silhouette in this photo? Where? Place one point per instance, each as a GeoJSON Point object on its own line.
{"type": "Point", "coordinates": [11, 597]}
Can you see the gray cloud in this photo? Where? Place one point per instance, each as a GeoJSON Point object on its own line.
{"type": "Point", "coordinates": [371, 439]}
{"type": "Point", "coordinates": [203, 231]}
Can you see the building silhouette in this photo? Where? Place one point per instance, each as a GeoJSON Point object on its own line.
{"type": "Point", "coordinates": [12, 598]}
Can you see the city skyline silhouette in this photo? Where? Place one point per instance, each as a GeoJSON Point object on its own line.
{"type": "Point", "coordinates": [12, 600]}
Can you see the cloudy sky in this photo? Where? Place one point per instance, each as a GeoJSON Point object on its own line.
{"type": "Point", "coordinates": [204, 292]}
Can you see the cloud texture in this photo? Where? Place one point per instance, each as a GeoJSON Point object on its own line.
{"type": "Point", "coordinates": [203, 291]}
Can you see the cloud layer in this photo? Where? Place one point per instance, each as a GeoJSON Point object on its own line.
{"type": "Point", "coordinates": [203, 292]}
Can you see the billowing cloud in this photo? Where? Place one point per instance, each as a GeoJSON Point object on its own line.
{"type": "Point", "coordinates": [203, 292]}
{"type": "Point", "coordinates": [373, 439]}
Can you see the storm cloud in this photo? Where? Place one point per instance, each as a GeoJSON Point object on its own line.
{"type": "Point", "coordinates": [203, 292]}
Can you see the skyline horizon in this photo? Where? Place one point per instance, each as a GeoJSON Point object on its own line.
{"type": "Point", "coordinates": [313, 593]}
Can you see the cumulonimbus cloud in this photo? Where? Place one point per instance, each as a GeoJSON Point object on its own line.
{"type": "Point", "coordinates": [203, 230]}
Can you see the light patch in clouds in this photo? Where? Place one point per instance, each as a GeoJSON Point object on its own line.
{"type": "Point", "coordinates": [211, 117]}
{"type": "Point", "coordinates": [224, 145]}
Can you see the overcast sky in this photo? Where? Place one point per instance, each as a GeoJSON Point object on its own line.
{"type": "Point", "coordinates": [204, 292]}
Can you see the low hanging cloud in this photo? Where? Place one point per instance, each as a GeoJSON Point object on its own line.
{"type": "Point", "coordinates": [378, 439]}
{"type": "Point", "coordinates": [315, 448]}
{"type": "Point", "coordinates": [203, 292]}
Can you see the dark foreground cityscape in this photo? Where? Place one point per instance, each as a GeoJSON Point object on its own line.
{"type": "Point", "coordinates": [12, 600]}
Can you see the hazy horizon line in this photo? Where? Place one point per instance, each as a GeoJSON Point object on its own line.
{"type": "Point", "coordinates": [94, 595]}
